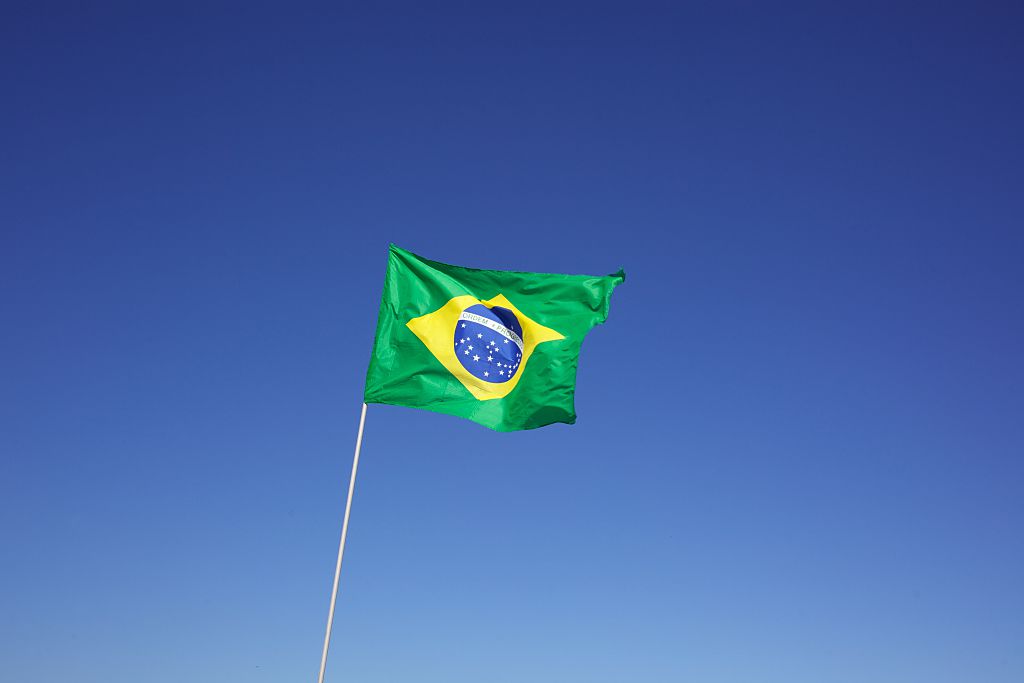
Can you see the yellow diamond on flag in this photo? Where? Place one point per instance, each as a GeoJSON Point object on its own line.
{"type": "Point", "coordinates": [483, 344]}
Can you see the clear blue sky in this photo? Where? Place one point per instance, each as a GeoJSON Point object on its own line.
{"type": "Point", "coordinates": [798, 457]}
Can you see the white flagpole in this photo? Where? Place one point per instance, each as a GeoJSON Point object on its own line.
{"type": "Point", "coordinates": [341, 546]}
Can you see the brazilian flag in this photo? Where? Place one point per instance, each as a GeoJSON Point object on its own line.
{"type": "Point", "coordinates": [496, 347]}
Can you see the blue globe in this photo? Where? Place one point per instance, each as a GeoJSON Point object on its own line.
{"type": "Point", "coordinates": [488, 342]}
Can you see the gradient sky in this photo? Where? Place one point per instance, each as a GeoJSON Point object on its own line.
{"type": "Point", "coordinates": [798, 457]}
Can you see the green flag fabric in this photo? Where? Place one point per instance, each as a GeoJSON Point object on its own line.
{"type": "Point", "coordinates": [496, 347]}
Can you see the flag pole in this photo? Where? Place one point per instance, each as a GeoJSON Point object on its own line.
{"type": "Point", "coordinates": [341, 546]}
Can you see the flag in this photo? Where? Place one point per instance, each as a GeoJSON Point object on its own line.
{"type": "Point", "coordinates": [496, 347]}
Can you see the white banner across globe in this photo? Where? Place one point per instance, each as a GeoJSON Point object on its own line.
{"type": "Point", "coordinates": [493, 325]}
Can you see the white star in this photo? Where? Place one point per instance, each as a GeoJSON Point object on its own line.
{"type": "Point", "coordinates": [470, 347]}
{"type": "Point", "coordinates": [466, 352]}
{"type": "Point", "coordinates": [506, 341]}
{"type": "Point", "coordinates": [490, 358]}
{"type": "Point", "coordinates": [501, 372]}
{"type": "Point", "coordinates": [463, 324]}
{"type": "Point", "coordinates": [486, 374]}
{"type": "Point", "coordinates": [476, 357]}
{"type": "Point", "coordinates": [479, 336]}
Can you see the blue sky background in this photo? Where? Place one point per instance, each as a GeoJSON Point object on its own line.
{"type": "Point", "coordinates": [798, 457]}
